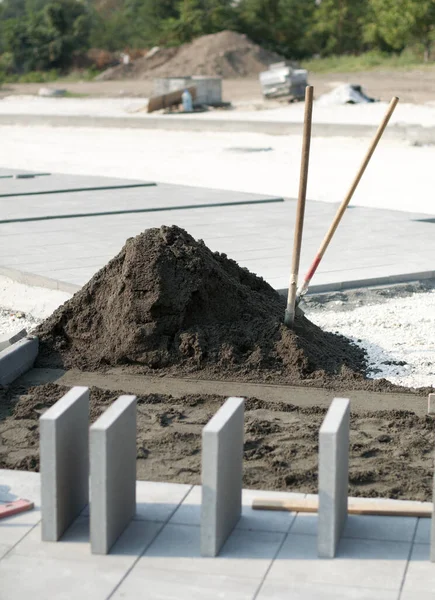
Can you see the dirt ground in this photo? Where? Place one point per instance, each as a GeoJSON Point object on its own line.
{"type": "Point", "coordinates": [280, 449]}
{"type": "Point", "coordinates": [415, 86]}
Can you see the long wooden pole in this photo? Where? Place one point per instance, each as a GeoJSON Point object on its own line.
{"type": "Point", "coordinates": [289, 317]}
{"type": "Point", "coordinates": [355, 507]}
{"type": "Point", "coordinates": [323, 246]}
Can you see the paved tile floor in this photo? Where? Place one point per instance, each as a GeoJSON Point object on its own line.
{"type": "Point", "coordinates": [39, 235]}
{"type": "Point", "coordinates": [269, 556]}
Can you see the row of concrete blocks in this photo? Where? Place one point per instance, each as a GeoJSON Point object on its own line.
{"type": "Point", "coordinates": [79, 464]}
{"type": "Point", "coordinates": [69, 448]}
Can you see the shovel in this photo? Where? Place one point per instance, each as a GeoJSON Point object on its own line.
{"type": "Point", "coordinates": [323, 246]}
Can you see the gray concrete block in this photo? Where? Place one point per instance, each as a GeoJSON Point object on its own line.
{"type": "Point", "coordinates": [432, 530]}
{"type": "Point", "coordinates": [113, 473]}
{"type": "Point", "coordinates": [222, 472]}
{"type": "Point", "coordinates": [333, 476]}
{"type": "Point", "coordinates": [17, 359]}
{"type": "Point", "coordinates": [431, 404]}
{"type": "Point", "coordinates": [64, 453]}
{"type": "Point", "coordinates": [8, 339]}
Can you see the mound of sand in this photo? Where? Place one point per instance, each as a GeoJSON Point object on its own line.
{"type": "Point", "coordinates": [226, 54]}
{"type": "Point", "coordinates": [168, 303]}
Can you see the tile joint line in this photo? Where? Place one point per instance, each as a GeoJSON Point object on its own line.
{"type": "Point", "coordinates": [158, 532]}
{"type": "Point", "coordinates": [405, 572]}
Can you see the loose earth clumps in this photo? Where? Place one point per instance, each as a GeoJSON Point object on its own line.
{"type": "Point", "coordinates": [280, 441]}
{"type": "Point", "coordinates": [171, 305]}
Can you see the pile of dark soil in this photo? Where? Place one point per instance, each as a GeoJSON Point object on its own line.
{"type": "Point", "coordinates": [225, 54]}
{"type": "Point", "coordinates": [171, 305]}
{"type": "Point", "coordinates": [280, 450]}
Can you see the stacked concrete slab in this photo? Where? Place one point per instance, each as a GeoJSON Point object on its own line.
{"type": "Point", "coordinates": [222, 472]}
{"type": "Point", "coordinates": [66, 445]}
{"type": "Point", "coordinates": [17, 359]}
{"type": "Point", "coordinates": [113, 473]}
{"type": "Point", "coordinates": [333, 476]}
{"type": "Point", "coordinates": [64, 451]}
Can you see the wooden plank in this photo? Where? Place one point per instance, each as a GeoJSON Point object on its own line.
{"type": "Point", "coordinates": [167, 100]}
{"type": "Point", "coordinates": [13, 508]}
{"type": "Point", "coordinates": [362, 507]}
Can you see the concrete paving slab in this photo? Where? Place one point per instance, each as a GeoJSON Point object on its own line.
{"type": "Point", "coordinates": [33, 184]}
{"type": "Point", "coordinates": [21, 484]}
{"type": "Point", "coordinates": [258, 237]}
{"type": "Point", "coordinates": [64, 461]}
{"type": "Point", "coordinates": [189, 512]}
{"type": "Point", "coordinates": [74, 544]}
{"type": "Point", "coordinates": [177, 548]}
{"type": "Point", "coordinates": [43, 578]}
{"type": "Point", "coordinates": [422, 535]}
{"type": "Point", "coordinates": [420, 575]}
{"type": "Point", "coordinates": [128, 197]}
{"type": "Point", "coordinates": [365, 527]}
{"type": "Point", "coordinates": [156, 501]}
{"type": "Point", "coordinates": [362, 563]}
{"type": "Point", "coordinates": [144, 583]}
{"type": "Point", "coordinates": [112, 459]}
{"type": "Point", "coordinates": [159, 560]}
{"type": "Point", "coordinates": [272, 590]}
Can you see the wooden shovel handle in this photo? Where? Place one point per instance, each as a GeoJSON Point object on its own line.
{"type": "Point", "coordinates": [348, 198]}
{"type": "Point", "coordinates": [300, 212]}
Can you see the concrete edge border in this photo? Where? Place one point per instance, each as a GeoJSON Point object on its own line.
{"type": "Point", "coordinates": [388, 280]}
{"type": "Point", "coordinates": [411, 132]}
{"type": "Point", "coordinates": [34, 280]}
{"type": "Point", "coordinates": [18, 359]}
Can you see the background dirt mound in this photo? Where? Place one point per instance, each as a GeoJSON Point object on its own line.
{"type": "Point", "coordinates": [226, 54]}
{"type": "Point", "coordinates": [168, 303]}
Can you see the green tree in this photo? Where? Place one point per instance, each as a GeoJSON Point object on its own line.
{"type": "Point", "coordinates": [199, 17]}
{"type": "Point", "coordinates": [281, 25]}
{"type": "Point", "coordinates": [133, 23]}
{"type": "Point", "coordinates": [48, 39]}
{"type": "Point", "coordinates": [339, 26]}
{"type": "Point", "coordinates": [403, 22]}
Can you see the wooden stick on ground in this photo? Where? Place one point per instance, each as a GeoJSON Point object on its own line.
{"type": "Point", "coordinates": [323, 246]}
{"type": "Point", "coordinates": [360, 507]}
{"type": "Point", "coordinates": [289, 317]}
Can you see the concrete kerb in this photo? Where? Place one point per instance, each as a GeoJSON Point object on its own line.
{"type": "Point", "coordinates": [414, 133]}
{"type": "Point", "coordinates": [113, 473]}
{"type": "Point", "coordinates": [333, 476]}
{"type": "Point", "coordinates": [9, 340]}
{"type": "Point", "coordinates": [17, 359]}
{"type": "Point", "coordinates": [222, 473]}
{"type": "Point", "coordinates": [431, 405]}
{"type": "Point", "coordinates": [64, 452]}
{"type": "Point", "coordinates": [432, 532]}
{"type": "Point", "coordinates": [34, 280]}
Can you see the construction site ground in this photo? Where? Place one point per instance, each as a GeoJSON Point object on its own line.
{"type": "Point", "coordinates": [412, 86]}
{"type": "Point", "coordinates": [388, 430]}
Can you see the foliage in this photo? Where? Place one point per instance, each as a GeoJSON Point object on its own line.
{"type": "Point", "coordinates": [403, 22]}
{"type": "Point", "coordinates": [367, 61]}
{"type": "Point", "coordinates": [47, 38]}
{"type": "Point", "coordinates": [41, 35]}
{"type": "Point", "coordinates": [339, 25]}
{"type": "Point", "coordinates": [284, 26]}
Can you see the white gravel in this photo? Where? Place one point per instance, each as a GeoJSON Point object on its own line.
{"type": "Point", "coordinates": [23, 307]}
{"type": "Point", "coordinates": [397, 331]}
